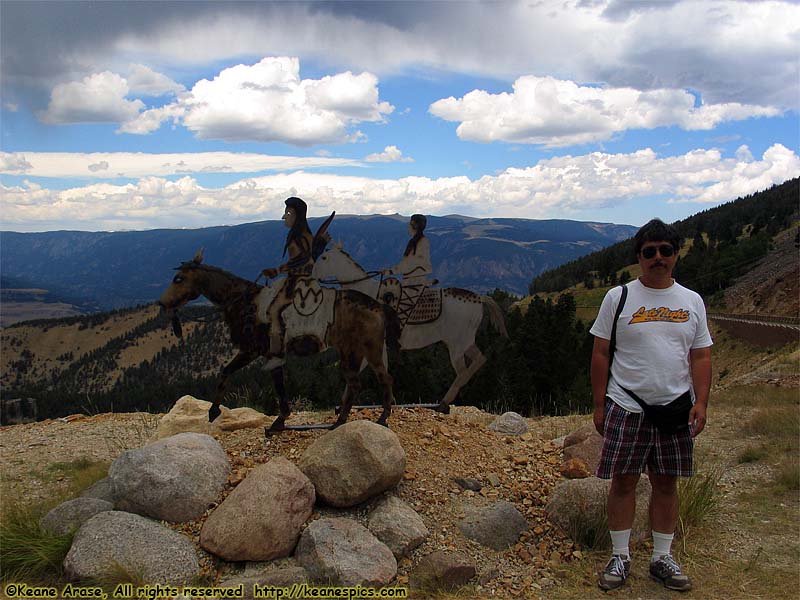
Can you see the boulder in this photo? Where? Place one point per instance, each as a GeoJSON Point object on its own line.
{"type": "Point", "coordinates": [397, 525]}
{"type": "Point", "coordinates": [284, 577]}
{"type": "Point", "coordinates": [70, 515]}
{"type": "Point", "coordinates": [242, 418]}
{"type": "Point", "coordinates": [188, 415]}
{"type": "Point", "coordinates": [174, 479]}
{"type": "Point", "coordinates": [497, 526]}
{"type": "Point", "coordinates": [510, 423]}
{"type": "Point", "coordinates": [102, 490]}
{"type": "Point", "coordinates": [116, 540]}
{"type": "Point", "coordinates": [578, 506]}
{"type": "Point", "coordinates": [442, 571]}
{"type": "Point", "coordinates": [261, 519]}
{"type": "Point", "coordinates": [584, 445]}
{"type": "Point", "coordinates": [341, 552]}
{"type": "Point", "coordinates": [353, 463]}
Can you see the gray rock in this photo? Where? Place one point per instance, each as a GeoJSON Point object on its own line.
{"type": "Point", "coordinates": [493, 479]}
{"type": "Point", "coordinates": [70, 515]}
{"type": "Point", "coordinates": [468, 484]}
{"type": "Point", "coordinates": [285, 578]}
{"type": "Point", "coordinates": [102, 490]}
{"type": "Point", "coordinates": [578, 506]}
{"type": "Point", "coordinates": [113, 540]}
{"type": "Point", "coordinates": [174, 479]}
{"type": "Point", "coordinates": [497, 526]}
{"type": "Point", "coordinates": [353, 463]}
{"type": "Point", "coordinates": [261, 519]}
{"type": "Point", "coordinates": [586, 450]}
{"type": "Point", "coordinates": [442, 571]}
{"type": "Point", "coordinates": [398, 526]}
{"type": "Point", "coordinates": [510, 423]}
{"type": "Point", "coordinates": [579, 435]}
{"type": "Point", "coordinates": [342, 552]}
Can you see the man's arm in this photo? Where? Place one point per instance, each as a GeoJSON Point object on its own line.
{"type": "Point", "coordinates": [600, 359]}
{"type": "Point", "coordinates": [700, 365]}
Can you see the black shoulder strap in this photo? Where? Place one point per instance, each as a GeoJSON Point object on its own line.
{"type": "Point", "coordinates": [612, 347]}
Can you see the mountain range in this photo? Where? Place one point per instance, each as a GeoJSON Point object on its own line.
{"type": "Point", "coordinates": [109, 270]}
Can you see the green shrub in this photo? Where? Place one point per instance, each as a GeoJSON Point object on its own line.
{"type": "Point", "coordinates": [752, 454]}
{"type": "Point", "coordinates": [788, 475]}
{"type": "Point", "coordinates": [698, 497]}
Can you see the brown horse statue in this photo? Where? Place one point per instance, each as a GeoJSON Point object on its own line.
{"type": "Point", "coordinates": [352, 323]}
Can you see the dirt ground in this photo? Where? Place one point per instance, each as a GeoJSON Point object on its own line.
{"type": "Point", "coordinates": [748, 549]}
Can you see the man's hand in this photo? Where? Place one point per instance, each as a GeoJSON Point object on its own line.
{"type": "Point", "coordinates": [697, 419]}
{"type": "Point", "coordinates": [270, 273]}
{"type": "Point", "coordinates": [599, 418]}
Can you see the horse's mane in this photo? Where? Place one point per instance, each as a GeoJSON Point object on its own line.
{"type": "Point", "coordinates": [194, 266]}
{"type": "Point", "coordinates": [343, 251]}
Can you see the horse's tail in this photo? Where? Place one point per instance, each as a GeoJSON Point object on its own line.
{"type": "Point", "coordinates": [496, 317]}
{"type": "Point", "coordinates": [393, 328]}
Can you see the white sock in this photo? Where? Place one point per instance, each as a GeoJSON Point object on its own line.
{"type": "Point", "coordinates": [620, 540]}
{"type": "Point", "coordinates": [662, 543]}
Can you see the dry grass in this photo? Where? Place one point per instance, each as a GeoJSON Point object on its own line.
{"type": "Point", "coordinates": [27, 552]}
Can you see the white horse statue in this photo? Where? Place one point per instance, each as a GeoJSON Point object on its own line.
{"type": "Point", "coordinates": [449, 315]}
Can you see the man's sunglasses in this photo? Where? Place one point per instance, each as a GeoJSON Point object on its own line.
{"type": "Point", "coordinates": [665, 250]}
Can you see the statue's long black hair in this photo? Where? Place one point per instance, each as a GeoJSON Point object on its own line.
{"type": "Point", "coordinates": [300, 223]}
{"type": "Point", "coordinates": [419, 222]}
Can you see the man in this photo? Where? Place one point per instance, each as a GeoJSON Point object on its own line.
{"type": "Point", "coordinates": [662, 351]}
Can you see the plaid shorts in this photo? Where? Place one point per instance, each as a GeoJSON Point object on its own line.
{"type": "Point", "coordinates": [631, 442]}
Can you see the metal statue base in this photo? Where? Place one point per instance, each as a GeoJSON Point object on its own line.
{"type": "Point", "coordinates": [270, 432]}
{"type": "Point", "coordinates": [338, 409]}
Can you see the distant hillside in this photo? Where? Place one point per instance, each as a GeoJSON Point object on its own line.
{"type": "Point", "coordinates": [19, 302]}
{"type": "Point", "coordinates": [106, 270]}
{"type": "Point", "coordinates": [724, 242]}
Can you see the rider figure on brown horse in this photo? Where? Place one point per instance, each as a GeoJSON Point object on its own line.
{"type": "Point", "coordinates": [303, 248]}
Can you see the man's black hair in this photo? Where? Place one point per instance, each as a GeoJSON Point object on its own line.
{"type": "Point", "coordinates": [657, 231]}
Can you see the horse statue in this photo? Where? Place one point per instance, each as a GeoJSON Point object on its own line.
{"type": "Point", "coordinates": [355, 325]}
{"type": "Point", "coordinates": [449, 315]}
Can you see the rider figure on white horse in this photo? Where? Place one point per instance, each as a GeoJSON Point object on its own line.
{"type": "Point", "coordinates": [414, 267]}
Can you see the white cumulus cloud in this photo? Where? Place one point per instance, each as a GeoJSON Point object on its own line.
{"type": "Point", "coordinates": [555, 187]}
{"type": "Point", "coordinates": [552, 112]}
{"type": "Point", "coordinates": [268, 101]}
{"type": "Point", "coordinates": [389, 154]}
{"type": "Point", "coordinates": [97, 98]}
{"type": "Point", "coordinates": [147, 82]}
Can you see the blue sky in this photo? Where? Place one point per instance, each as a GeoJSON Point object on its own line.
{"type": "Point", "coordinates": [142, 115]}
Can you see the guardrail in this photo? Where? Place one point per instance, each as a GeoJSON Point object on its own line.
{"type": "Point", "coordinates": [758, 318]}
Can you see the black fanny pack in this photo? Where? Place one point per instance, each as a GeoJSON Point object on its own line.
{"type": "Point", "coordinates": [668, 418]}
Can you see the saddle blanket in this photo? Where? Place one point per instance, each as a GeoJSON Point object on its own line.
{"type": "Point", "coordinates": [428, 307]}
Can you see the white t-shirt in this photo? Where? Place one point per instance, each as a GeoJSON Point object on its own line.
{"type": "Point", "coordinates": [655, 332]}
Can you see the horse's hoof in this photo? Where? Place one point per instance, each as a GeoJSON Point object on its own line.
{"type": "Point", "coordinates": [277, 425]}
{"type": "Point", "coordinates": [213, 412]}
{"type": "Point", "coordinates": [443, 408]}
{"type": "Point", "coordinates": [382, 422]}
